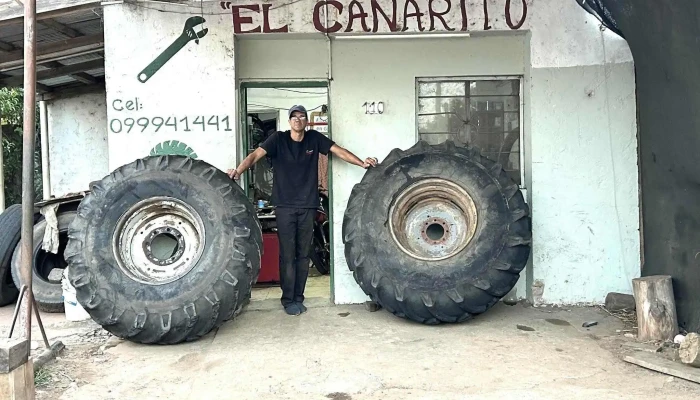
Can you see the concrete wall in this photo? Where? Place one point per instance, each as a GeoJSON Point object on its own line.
{"type": "Point", "coordinates": [77, 142]}
{"type": "Point", "coordinates": [583, 160]}
{"type": "Point", "coordinates": [197, 84]}
{"type": "Point", "coordinates": [278, 58]}
{"type": "Point", "coordinates": [579, 120]}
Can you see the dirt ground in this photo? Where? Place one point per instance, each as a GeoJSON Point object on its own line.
{"type": "Point", "coordinates": [346, 352]}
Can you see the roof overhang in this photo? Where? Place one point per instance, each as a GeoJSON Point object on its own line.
{"type": "Point", "coordinates": [70, 45]}
{"type": "Point", "coordinates": [12, 11]}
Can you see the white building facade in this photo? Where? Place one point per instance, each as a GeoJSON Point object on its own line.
{"type": "Point", "coordinates": [558, 91]}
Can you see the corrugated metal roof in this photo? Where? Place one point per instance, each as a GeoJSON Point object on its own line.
{"type": "Point", "coordinates": [85, 22]}
{"type": "Point", "coordinates": [62, 80]}
{"type": "Point", "coordinates": [80, 16]}
{"type": "Point", "coordinates": [81, 59]}
{"type": "Point", "coordinates": [96, 72]}
{"type": "Point", "coordinates": [89, 27]}
{"type": "Point", "coordinates": [11, 10]}
{"type": "Point", "coordinates": [15, 34]}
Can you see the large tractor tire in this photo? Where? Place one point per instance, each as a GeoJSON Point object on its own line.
{"type": "Point", "coordinates": [47, 267]}
{"type": "Point", "coordinates": [10, 232]}
{"type": "Point", "coordinates": [444, 238]}
{"type": "Point", "coordinates": [164, 250]}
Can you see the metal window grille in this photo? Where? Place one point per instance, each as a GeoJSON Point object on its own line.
{"type": "Point", "coordinates": [483, 112]}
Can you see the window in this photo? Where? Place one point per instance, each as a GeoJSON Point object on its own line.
{"type": "Point", "coordinates": [481, 112]}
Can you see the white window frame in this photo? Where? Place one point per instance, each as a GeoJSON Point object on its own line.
{"type": "Point", "coordinates": [464, 78]}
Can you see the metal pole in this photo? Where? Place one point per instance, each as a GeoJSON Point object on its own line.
{"type": "Point", "coordinates": [41, 325]}
{"type": "Point", "coordinates": [28, 143]}
{"type": "Point", "coordinates": [45, 166]}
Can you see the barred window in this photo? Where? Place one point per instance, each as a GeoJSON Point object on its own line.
{"type": "Point", "coordinates": [480, 112]}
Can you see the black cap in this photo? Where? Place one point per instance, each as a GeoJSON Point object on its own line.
{"type": "Point", "coordinates": [298, 108]}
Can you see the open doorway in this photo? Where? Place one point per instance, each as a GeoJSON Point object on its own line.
{"type": "Point", "coordinates": [266, 107]}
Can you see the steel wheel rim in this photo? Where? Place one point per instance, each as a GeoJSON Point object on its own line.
{"type": "Point", "coordinates": [158, 240]}
{"type": "Point", "coordinates": [433, 219]}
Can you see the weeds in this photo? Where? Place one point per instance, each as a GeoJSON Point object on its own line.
{"type": "Point", "coordinates": [42, 377]}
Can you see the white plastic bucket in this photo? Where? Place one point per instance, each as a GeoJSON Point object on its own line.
{"type": "Point", "coordinates": [74, 311]}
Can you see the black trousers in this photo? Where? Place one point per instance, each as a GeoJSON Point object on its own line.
{"type": "Point", "coordinates": [295, 228]}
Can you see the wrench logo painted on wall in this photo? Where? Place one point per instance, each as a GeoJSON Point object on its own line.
{"type": "Point", "coordinates": [188, 34]}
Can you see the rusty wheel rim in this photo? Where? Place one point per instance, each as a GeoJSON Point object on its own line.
{"type": "Point", "coordinates": [158, 240]}
{"type": "Point", "coordinates": [433, 219]}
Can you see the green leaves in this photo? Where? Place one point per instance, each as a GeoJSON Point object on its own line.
{"type": "Point", "coordinates": [11, 111]}
{"type": "Point", "coordinates": [11, 106]}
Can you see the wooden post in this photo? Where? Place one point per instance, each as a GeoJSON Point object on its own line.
{"type": "Point", "coordinates": [690, 350]}
{"type": "Point", "coordinates": [656, 308]}
{"type": "Point", "coordinates": [16, 370]}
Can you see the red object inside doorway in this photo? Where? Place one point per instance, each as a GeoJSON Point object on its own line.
{"type": "Point", "coordinates": [269, 266]}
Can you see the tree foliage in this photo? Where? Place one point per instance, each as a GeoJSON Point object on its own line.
{"type": "Point", "coordinates": [11, 110]}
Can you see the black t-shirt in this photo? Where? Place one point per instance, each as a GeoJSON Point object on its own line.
{"type": "Point", "coordinates": [295, 167]}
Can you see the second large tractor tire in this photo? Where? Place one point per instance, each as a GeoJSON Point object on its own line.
{"type": "Point", "coordinates": [436, 233]}
{"type": "Point", "coordinates": [164, 250]}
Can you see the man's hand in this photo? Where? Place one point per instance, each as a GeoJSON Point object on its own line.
{"type": "Point", "coordinates": [370, 162]}
{"type": "Point", "coordinates": [233, 174]}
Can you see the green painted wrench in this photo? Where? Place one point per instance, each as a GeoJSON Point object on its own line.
{"type": "Point", "coordinates": [188, 34]}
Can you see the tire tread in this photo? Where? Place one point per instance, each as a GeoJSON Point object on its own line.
{"type": "Point", "coordinates": [457, 304]}
{"type": "Point", "coordinates": [216, 306]}
{"type": "Point", "coordinates": [10, 234]}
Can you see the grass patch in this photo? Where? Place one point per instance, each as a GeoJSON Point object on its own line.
{"type": "Point", "coordinates": [42, 377]}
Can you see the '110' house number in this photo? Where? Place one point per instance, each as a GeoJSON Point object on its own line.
{"type": "Point", "coordinates": [374, 107]}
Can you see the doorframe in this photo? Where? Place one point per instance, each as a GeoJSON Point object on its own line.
{"type": "Point", "coordinates": [242, 126]}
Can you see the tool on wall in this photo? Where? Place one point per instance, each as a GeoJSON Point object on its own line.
{"type": "Point", "coordinates": [188, 34]}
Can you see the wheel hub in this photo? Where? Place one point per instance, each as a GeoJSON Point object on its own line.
{"type": "Point", "coordinates": [433, 219]}
{"type": "Point", "coordinates": [158, 240]}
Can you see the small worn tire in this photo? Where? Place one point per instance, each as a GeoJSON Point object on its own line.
{"type": "Point", "coordinates": [449, 290]}
{"type": "Point", "coordinates": [48, 295]}
{"type": "Point", "coordinates": [213, 292]}
{"type": "Point", "coordinates": [10, 233]}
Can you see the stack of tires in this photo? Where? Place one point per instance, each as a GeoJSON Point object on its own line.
{"type": "Point", "coordinates": [167, 248]}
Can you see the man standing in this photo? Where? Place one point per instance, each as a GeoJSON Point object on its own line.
{"type": "Point", "coordinates": [294, 156]}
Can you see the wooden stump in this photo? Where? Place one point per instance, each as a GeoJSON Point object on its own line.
{"type": "Point", "coordinates": [690, 350]}
{"type": "Point", "coordinates": [656, 308]}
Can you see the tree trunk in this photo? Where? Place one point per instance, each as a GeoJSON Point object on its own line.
{"type": "Point", "coordinates": [690, 350]}
{"type": "Point", "coordinates": [656, 308]}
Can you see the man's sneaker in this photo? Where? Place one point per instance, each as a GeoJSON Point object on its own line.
{"type": "Point", "coordinates": [302, 307]}
{"type": "Point", "coordinates": [292, 309]}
